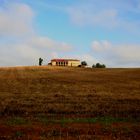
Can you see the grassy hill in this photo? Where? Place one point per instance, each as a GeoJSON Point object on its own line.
{"type": "Point", "coordinates": [72, 96]}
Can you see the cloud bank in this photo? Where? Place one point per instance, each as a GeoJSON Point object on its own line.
{"type": "Point", "coordinates": [20, 44]}
{"type": "Point", "coordinates": [16, 20]}
{"type": "Point", "coordinates": [123, 55]}
{"type": "Point", "coordinates": [111, 14]}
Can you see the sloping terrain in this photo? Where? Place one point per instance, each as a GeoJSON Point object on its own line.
{"type": "Point", "coordinates": [69, 103]}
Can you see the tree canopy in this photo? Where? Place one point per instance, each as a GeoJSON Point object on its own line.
{"type": "Point", "coordinates": [84, 63]}
{"type": "Point", "coordinates": [98, 65]}
{"type": "Point", "coordinates": [40, 61]}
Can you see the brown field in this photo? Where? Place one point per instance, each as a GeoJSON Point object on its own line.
{"type": "Point", "coordinates": [60, 103]}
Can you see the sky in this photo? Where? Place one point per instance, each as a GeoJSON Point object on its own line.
{"type": "Point", "coordinates": [104, 31]}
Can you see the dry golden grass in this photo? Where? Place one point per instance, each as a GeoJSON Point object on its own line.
{"type": "Point", "coordinates": [31, 91]}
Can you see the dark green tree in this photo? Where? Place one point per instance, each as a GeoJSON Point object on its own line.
{"type": "Point", "coordinates": [40, 61]}
{"type": "Point", "coordinates": [83, 63]}
{"type": "Point", "coordinates": [93, 66]}
{"type": "Point", "coordinates": [103, 66]}
{"type": "Point", "coordinates": [98, 65]}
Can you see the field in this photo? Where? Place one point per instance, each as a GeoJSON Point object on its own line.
{"type": "Point", "coordinates": [61, 103]}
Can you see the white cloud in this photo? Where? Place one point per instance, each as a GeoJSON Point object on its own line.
{"type": "Point", "coordinates": [16, 20]}
{"type": "Point", "coordinates": [27, 52]}
{"type": "Point", "coordinates": [110, 14]}
{"type": "Point", "coordinates": [54, 55]}
{"type": "Point", "coordinates": [51, 44]}
{"type": "Point", "coordinates": [90, 16]}
{"type": "Point", "coordinates": [124, 55]}
{"type": "Point", "coordinates": [100, 46]}
{"type": "Point", "coordinates": [20, 44]}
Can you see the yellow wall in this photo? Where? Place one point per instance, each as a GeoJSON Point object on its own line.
{"type": "Point", "coordinates": [74, 63]}
{"type": "Point", "coordinates": [70, 63]}
{"type": "Point", "coordinates": [53, 63]}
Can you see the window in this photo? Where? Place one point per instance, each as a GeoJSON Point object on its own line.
{"type": "Point", "coordinates": [66, 62]}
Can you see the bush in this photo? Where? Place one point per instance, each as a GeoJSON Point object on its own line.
{"type": "Point", "coordinates": [98, 65]}
{"type": "Point", "coordinates": [93, 66]}
{"type": "Point", "coordinates": [83, 63]}
{"type": "Point", "coordinates": [40, 61]}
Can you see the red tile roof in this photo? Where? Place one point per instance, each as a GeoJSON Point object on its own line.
{"type": "Point", "coordinates": [62, 60]}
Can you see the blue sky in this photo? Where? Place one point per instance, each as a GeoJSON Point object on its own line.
{"type": "Point", "coordinates": [102, 31]}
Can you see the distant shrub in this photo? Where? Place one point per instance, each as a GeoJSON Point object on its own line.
{"type": "Point", "coordinates": [93, 66]}
{"type": "Point", "coordinates": [98, 65]}
{"type": "Point", "coordinates": [40, 61]}
{"type": "Point", "coordinates": [83, 63]}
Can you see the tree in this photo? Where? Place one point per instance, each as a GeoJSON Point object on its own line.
{"type": "Point", "coordinates": [83, 63]}
{"type": "Point", "coordinates": [98, 65]}
{"type": "Point", "coordinates": [93, 66]}
{"type": "Point", "coordinates": [103, 66]}
{"type": "Point", "coordinates": [40, 61]}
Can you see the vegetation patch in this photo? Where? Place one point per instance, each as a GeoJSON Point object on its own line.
{"type": "Point", "coordinates": [17, 121]}
{"type": "Point", "coordinates": [18, 134]}
{"type": "Point", "coordinates": [102, 120]}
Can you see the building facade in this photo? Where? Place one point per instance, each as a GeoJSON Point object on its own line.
{"type": "Point", "coordinates": [65, 62]}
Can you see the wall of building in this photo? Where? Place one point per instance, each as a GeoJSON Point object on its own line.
{"type": "Point", "coordinates": [53, 63]}
{"type": "Point", "coordinates": [73, 63]}
{"type": "Point", "coordinates": [67, 63]}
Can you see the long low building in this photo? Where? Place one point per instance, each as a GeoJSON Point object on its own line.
{"type": "Point", "coordinates": [65, 62]}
